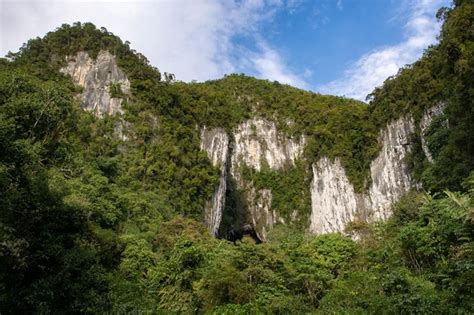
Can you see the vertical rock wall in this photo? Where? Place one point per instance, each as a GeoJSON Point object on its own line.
{"type": "Point", "coordinates": [216, 143]}
{"type": "Point", "coordinates": [390, 175]}
{"type": "Point", "coordinates": [261, 213]}
{"type": "Point", "coordinates": [96, 77]}
{"type": "Point", "coordinates": [425, 122]}
{"type": "Point", "coordinates": [255, 143]}
{"type": "Point", "coordinates": [334, 202]}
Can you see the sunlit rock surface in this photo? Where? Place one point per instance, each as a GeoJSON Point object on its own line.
{"type": "Point", "coordinates": [425, 123]}
{"type": "Point", "coordinates": [258, 143]}
{"type": "Point", "coordinates": [254, 143]}
{"type": "Point", "coordinates": [389, 172]}
{"type": "Point", "coordinates": [334, 202]}
{"type": "Point", "coordinates": [216, 143]}
{"type": "Point", "coordinates": [333, 199]}
{"type": "Point", "coordinates": [96, 77]}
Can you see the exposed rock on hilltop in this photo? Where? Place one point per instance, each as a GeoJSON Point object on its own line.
{"type": "Point", "coordinates": [99, 78]}
{"type": "Point", "coordinates": [257, 144]}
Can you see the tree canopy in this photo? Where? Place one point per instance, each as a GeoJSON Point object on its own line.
{"type": "Point", "coordinates": [90, 223]}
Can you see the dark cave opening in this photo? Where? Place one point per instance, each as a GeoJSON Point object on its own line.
{"type": "Point", "coordinates": [235, 235]}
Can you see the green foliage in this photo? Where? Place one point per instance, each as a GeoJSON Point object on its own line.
{"type": "Point", "coordinates": [419, 262]}
{"type": "Point", "coordinates": [333, 126]}
{"type": "Point", "coordinates": [289, 187]}
{"type": "Point", "coordinates": [444, 75]}
{"type": "Point", "coordinates": [50, 256]}
{"type": "Point", "coordinates": [115, 90]}
{"type": "Point", "coordinates": [93, 224]}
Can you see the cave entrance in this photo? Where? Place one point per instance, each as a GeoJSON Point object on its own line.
{"type": "Point", "coordinates": [238, 234]}
{"type": "Point", "coordinates": [234, 225]}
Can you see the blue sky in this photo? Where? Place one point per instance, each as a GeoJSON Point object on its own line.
{"type": "Point", "coordinates": [327, 37]}
{"type": "Point", "coordinates": [342, 47]}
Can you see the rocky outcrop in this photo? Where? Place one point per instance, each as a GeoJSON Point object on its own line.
{"type": "Point", "coordinates": [334, 202]}
{"type": "Point", "coordinates": [389, 173]}
{"type": "Point", "coordinates": [97, 77]}
{"type": "Point", "coordinates": [216, 143]}
{"type": "Point", "coordinates": [255, 143]}
{"type": "Point", "coordinates": [425, 122]}
{"type": "Point", "coordinates": [258, 143]}
{"type": "Point", "coordinates": [262, 216]}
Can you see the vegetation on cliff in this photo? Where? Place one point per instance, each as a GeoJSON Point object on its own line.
{"type": "Point", "coordinates": [445, 75]}
{"type": "Point", "coordinates": [90, 223]}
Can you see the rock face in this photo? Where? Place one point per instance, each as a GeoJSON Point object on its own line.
{"type": "Point", "coordinates": [262, 216]}
{"type": "Point", "coordinates": [334, 202]}
{"type": "Point", "coordinates": [390, 175]}
{"type": "Point", "coordinates": [425, 122]}
{"type": "Point", "coordinates": [257, 142]}
{"type": "Point", "coordinates": [254, 143]}
{"type": "Point", "coordinates": [216, 143]}
{"type": "Point", "coordinates": [96, 78]}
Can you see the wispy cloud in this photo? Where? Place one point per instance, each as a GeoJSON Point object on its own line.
{"type": "Point", "coordinates": [268, 64]}
{"type": "Point", "coordinates": [192, 39]}
{"type": "Point", "coordinates": [197, 40]}
{"type": "Point", "coordinates": [371, 70]}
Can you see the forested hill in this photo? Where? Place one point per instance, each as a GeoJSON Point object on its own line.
{"type": "Point", "coordinates": [104, 204]}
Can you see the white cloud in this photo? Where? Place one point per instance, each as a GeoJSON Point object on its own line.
{"type": "Point", "coordinates": [373, 68]}
{"type": "Point", "coordinates": [191, 38]}
{"type": "Point", "coordinates": [269, 65]}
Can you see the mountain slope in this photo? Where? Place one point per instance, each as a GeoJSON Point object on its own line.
{"type": "Point", "coordinates": [102, 208]}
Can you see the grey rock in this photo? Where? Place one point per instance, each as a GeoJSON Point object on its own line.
{"type": "Point", "coordinates": [254, 143]}
{"type": "Point", "coordinates": [216, 143]}
{"type": "Point", "coordinates": [96, 77]}
{"type": "Point", "coordinates": [334, 202]}
{"type": "Point", "coordinates": [426, 120]}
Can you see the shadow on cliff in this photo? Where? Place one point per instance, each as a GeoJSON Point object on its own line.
{"type": "Point", "coordinates": [235, 220]}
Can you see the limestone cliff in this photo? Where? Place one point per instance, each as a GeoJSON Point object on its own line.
{"type": "Point", "coordinates": [253, 143]}
{"type": "Point", "coordinates": [334, 201]}
{"type": "Point", "coordinates": [425, 122]}
{"type": "Point", "coordinates": [216, 143]}
{"type": "Point", "coordinates": [96, 78]}
{"type": "Point", "coordinates": [257, 144]}
{"type": "Point", "coordinates": [389, 173]}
